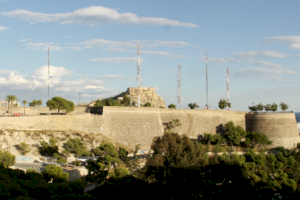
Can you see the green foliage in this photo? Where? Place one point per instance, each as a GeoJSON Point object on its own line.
{"type": "Point", "coordinates": [274, 107]}
{"type": "Point", "coordinates": [76, 162]}
{"type": "Point", "coordinates": [24, 148]}
{"type": "Point", "coordinates": [268, 107]}
{"type": "Point", "coordinates": [106, 102]}
{"type": "Point", "coordinates": [123, 154]}
{"type": "Point", "coordinates": [193, 105]}
{"type": "Point", "coordinates": [173, 150]}
{"type": "Point", "coordinates": [253, 108]}
{"type": "Point", "coordinates": [126, 100]}
{"type": "Point", "coordinates": [48, 149]}
{"type": "Point", "coordinates": [34, 103]}
{"type": "Point", "coordinates": [7, 159]}
{"type": "Point", "coordinates": [10, 98]}
{"type": "Point", "coordinates": [222, 104]}
{"type": "Point", "coordinates": [172, 106]}
{"type": "Point", "coordinates": [258, 139]}
{"type": "Point", "coordinates": [31, 171]}
{"type": "Point", "coordinates": [283, 106]}
{"type": "Point", "coordinates": [75, 146]}
{"type": "Point", "coordinates": [96, 172]}
{"type": "Point", "coordinates": [233, 134]}
{"type": "Point", "coordinates": [60, 103]}
{"type": "Point", "coordinates": [148, 104]}
{"type": "Point", "coordinates": [175, 124]}
{"type": "Point", "coordinates": [55, 172]}
{"type": "Point", "coordinates": [212, 139]}
{"type": "Point", "coordinates": [60, 159]}
{"type": "Point", "coordinates": [120, 172]}
{"type": "Point", "coordinates": [260, 107]}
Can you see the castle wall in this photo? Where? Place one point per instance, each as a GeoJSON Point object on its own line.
{"type": "Point", "coordinates": [130, 126]}
{"type": "Point", "coordinates": [30, 111]}
{"type": "Point", "coordinates": [281, 128]}
{"type": "Point", "coordinates": [197, 122]}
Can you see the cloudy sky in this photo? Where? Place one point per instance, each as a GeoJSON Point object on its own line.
{"type": "Point", "coordinates": [93, 49]}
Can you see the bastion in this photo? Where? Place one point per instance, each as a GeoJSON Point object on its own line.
{"type": "Point", "coordinates": [281, 128]}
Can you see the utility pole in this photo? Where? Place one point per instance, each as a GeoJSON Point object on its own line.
{"type": "Point", "coordinates": [48, 76]}
{"type": "Point", "coordinates": [179, 87]}
{"type": "Point", "coordinates": [227, 86]}
{"type": "Point", "coordinates": [79, 99]}
{"type": "Point", "coordinates": [138, 78]}
{"type": "Point", "coordinates": [206, 106]}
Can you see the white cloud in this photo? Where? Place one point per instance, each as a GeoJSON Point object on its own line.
{"type": "Point", "coordinates": [250, 55]}
{"type": "Point", "coordinates": [4, 28]}
{"type": "Point", "coordinates": [95, 16]}
{"type": "Point", "coordinates": [116, 59]}
{"type": "Point", "coordinates": [293, 41]}
{"type": "Point", "coordinates": [116, 50]}
{"type": "Point", "coordinates": [266, 70]}
{"type": "Point", "coordinates": [25, 40]}
{"type": "Point", "coordinates": [55, 72]}
{"type": "Point", "coordinates": [163, 53]}
{"type": "Point", "coordinates": [40, 46]}
{"type": "Point", "coordinates": [219, 61]}
{"type": "Point", "coordinates": [172, 43]}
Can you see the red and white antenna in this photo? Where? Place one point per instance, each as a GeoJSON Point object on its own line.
{"type": "Point", "coordinates": [227, 86]}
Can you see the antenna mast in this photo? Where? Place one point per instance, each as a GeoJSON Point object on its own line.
{"type": "Point", "coordinates": [206, 106]}
{"type": "Point", "coordinates": [227, 86]}
{"type": "Point", "coordinates": [179, 87]}
{"type": "Point", "coordinates": [138, 78]}
{"type": "Point", "coordinates": [48, 72]}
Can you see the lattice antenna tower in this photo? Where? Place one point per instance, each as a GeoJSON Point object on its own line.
{"type": "Point", "coordinates": [48, 72]}
{"type": "Point", "coordinates": [138, 78]}
{"type": "Point", "coordinates": [179, 87]}
{"type": "Point", "coordinates": [206, 106]}
{"type": "Point", "coordinates": [227, 86]}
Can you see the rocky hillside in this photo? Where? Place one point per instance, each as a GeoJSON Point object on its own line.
{"type": "Point", "coordinates": [10, 139]}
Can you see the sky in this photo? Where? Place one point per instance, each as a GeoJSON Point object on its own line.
{"type": "Point", "coordinates": [93, 49]}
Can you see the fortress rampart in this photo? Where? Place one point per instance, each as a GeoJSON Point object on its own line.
{"type": "Point", "coordinates": [131, 125]}
{"type": "Point", "coordinates": [281, 128]}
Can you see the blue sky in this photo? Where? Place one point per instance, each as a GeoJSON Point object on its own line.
{"type": "Point", "coordinates": [93, 49]}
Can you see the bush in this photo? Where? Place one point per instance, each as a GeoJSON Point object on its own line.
{"type": "Point", "coordinates": [76, 163]}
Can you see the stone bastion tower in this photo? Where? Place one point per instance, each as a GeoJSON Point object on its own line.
{"type": "Point", "coordinates": [281, 128]}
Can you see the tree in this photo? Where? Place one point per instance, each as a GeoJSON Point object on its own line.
{"type": "Point", "coordinates": [55, 172]}
{"type": "Point", "coordinates": [233, 134]}
{"type": "Point", "coordinates": [173, 150]}
{"type": "Point", "coordinates": [24, 102]}
{"type": "Point", "coordinates": [123, 154]}
{"type": "Point", "coordinates": [253, 108]}
{"type": "Point", "coordinates": [148, 104]}
{"type": "Point", "coordinates": [274, 107]}
{"type": "Point", "coordinates": [258, 139]}
{"type": "Point", "coordinates": [75, 146]}
{"type": "Point", "coordinates": [193, 105]}
{"type": "Point", "coordinates": [222, 104]}
{"type": "Point", "coordinates": [48, 149]}
{"type": "Point", "coordinates": [260, 107]}
{"type": "Point", "coordinates": [283, 106]}
{"type": "Point", "coordinates": [33, 103]}
{"type": "Point", "coordinates": [126, 100]}
{"type": "Point", "coordinates": [120, 172]}
{"type": "Point", "coordinates": [60, 103]}
{"type": "Point", "coordinates": [24, 148]}
{"type": "Point", "coordinates": [10, 99]}
{"type": "Point", "coordinates": [106, 102]}
{"type": "Point", "coordinates": [7, 159]}
{"type": "Point", "coordinates": [268, 107]}
{"type": "Point", "coordinates": [39, 103]}
{"type": "Point", "coordinates": [172, 106]}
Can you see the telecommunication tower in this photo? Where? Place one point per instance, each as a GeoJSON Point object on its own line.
{"type": "Point", "coordinates": [227, 86]}
{"type": "Point", "coordinates": [206, 106]}
{"type": "Point", "coordinates": [48, 71]}
{"type": "Point", "coordinates": [138, 78]}
{"type": "Point", "coordinates": [179, 87]}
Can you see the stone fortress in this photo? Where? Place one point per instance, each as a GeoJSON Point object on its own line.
{"type": "Point", "coordinates": [130, 126]}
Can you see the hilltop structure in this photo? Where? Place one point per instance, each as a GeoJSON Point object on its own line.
{"type": "Point", "coordinates": [147, 94]}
